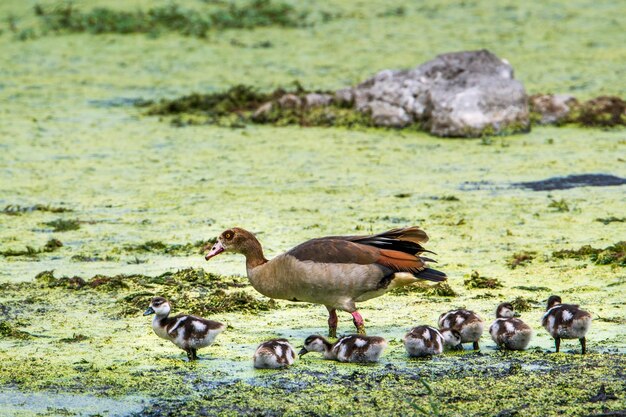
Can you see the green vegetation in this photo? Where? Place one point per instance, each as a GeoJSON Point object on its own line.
{"type": "Point", "coordinates": [475, 281]}
{"type": "Point", "coordinates": [62, 225]}
{"type": "Point", "coordinates": [560, 206]}
{"type": "Point", "coordinates": [612, 219]}
{"type": "Point", "coordinates": [68, 18]}
{"type": "Point", "coordinates": [155, 246]}
{"type": "Point", "coordinates": [520, 259]}
{"type": "Point", "coordinates": [50, 246]}
{"type": "Point", "coordinates": [522, 304]}
{"type": "Point", "coordinates": [190, 290]}
{"type": "Point", "coordinates": [440, 289]}
{"type": "Point", "coordinates": [15, 210]}
{"type": "Point", "coordinates": [611, 255]}
{"type": "Point", "coordinates": [8, 330]}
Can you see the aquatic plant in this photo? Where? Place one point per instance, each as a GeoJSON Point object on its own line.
{"type": "Point", "coordinates": [611, 255]}
{"type": "Point", "coordinates": [8, 330]}
{"type": "Point", "coordinates": [520, 259]}
{"type": "Point", "coordinates": [50, 246]}
{"type": "Point", "coordinates": [62, 225]}
{"type": "Point", "coordinates": [440, 289]}
{"type": "Point", "coordinates": [559, 205]}
{"type": "Point", "coordinates": [155, 246]}
{"type": "Point", "coordinates": [521, 304]}
{"type": "Point", "coordinates": [604, 111]}
{"type": "Point", "coordinates": [67, 17]}
{"type": "Point", "coordinates": [16, 209]}
{"type": "Point", "coordinates": [612, 219]}
{"type": "Point", "coordinates": [476, 281]}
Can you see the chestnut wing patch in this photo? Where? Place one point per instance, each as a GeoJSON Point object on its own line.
{"type": "Point", "coordinates": [327, 250]}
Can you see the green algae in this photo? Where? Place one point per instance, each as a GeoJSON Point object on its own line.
{"type": "Point", "coordinates": [8, 330]}
{"type": "Point", "coordinates": [476, 281]}
{"type": "Point", "coordinates": [62, 225]}
{"type": "Point", "coordinates": [50, 246]}
{"type": "Point", "coordinates": [16, 209]}
{"type": "Point", "coordinates": [611, 255]}
{"type": "Point", "coordinates": [69, 18]}
{"type": "Point", "coordinates": [155, 246]}
{"type": "Point", "coordinates": [522, 304]}
{"type": "Point", "coordinates": [611, 219]}
{"type": "Point", "coordinates": [142, 181]}
{"type": "Point", "coordinates": [521, 259]}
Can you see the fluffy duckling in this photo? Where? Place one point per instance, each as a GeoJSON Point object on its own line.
{"type": "Point", "coordinates": [566, 321]}
{"type": "Point", "coordinates": [423, 341]}
{"type": "Point", "coordinates": [354, 348]}
{"type": "Point", "coordinates": [466, 322]}
{"type": "Point", "coordinates": [189, 333]}
{"type": "Point", "coordinates": [451, 339]}
{"type": "Point", "coordinates": [509, 332]}
{"type": "Point", "coordinates": [274, 354]}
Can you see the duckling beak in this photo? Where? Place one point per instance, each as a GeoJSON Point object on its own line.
{"type": "Point", "coordinates": [215, 250]}
{"type": "Point", "coordinates": [149, 311]}
{"type": "Point", "coordinates": [302, 352]}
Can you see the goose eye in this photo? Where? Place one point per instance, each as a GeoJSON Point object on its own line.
{"type": "Point", "coordinates": [228, 235]}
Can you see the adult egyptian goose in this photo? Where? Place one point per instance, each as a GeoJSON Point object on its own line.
{"type": "Point", "coordinates": [509, 332]}
{"type": "Point", "coordinates": [353, 348]}
{"type": "Point", "coordinates": [336, 271]}
{"type": "Point", "coordinates": [423, 341]}
{"type": "Point", "coordinates": [274, 354]}
{"type": "Point", "coordinates": [189, 333]}
{"type": "Point", "coordinates": [566, 321]}
{"type": "Point", "coordinates": [466, 322]}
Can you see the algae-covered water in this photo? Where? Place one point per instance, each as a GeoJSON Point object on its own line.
{"type": "Point", "coordinates": [142, 196]}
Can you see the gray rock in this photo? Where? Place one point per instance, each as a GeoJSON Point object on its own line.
{"type": "Point", "coordinates": [552, 108]}
{"type": "Point", "coordinates": [289, 101]}
{"type": "Point", "coordinates": [317, 100]}
{"type": "Point", "coordinates": [460, 94]}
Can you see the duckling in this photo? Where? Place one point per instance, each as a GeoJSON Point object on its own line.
{"type": "Point", "coordinates": [451, 339]}
{"type": "Point", "coordinates": [354, 348]}
{"type": "Point", "coordinates": [423, 341]}
{"type": "Point", "coordinates": [466, 322]}
{"type": "Point", "coordinates": [566, 321]}
{"type": "Point", "coordinates": [509, 332]}
{"type": "Point", "coordinates": [274, 354]}
{"type": "Point", "coordinates": [189, 333]}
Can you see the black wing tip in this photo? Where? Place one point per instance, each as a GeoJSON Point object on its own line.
{"type": "Point", "coordinates": [430, 274]}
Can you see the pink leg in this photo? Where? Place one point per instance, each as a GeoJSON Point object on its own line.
{"type": "Point", "coordinates": [358, 322]}
{"type": "Point", "coordinates": [332, 322]}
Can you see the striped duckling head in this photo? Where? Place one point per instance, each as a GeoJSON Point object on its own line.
{"type": "Point", "coordinates": [451, 338]}
{"type": "Point", "coordinates": [553, 301]}
{"type": "Point", "coordinates": [506, 311]}
{"type": "Point", "coordinates": [159, 306]}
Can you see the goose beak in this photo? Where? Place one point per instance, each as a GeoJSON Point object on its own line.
{"type": "Point", "coordinates": [149, 311]}
{"type": "Point", "coordinates": [215, 250]}
{"type": "Point", "coordinates": [302, 352]}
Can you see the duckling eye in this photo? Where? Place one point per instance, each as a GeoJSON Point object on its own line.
{"type": "Point", "coordinates": [228, 235]}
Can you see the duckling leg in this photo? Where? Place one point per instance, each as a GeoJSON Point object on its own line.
{"type": "Point", "coordinates": [358, 322]}
{"type": "Point", "coordinates": [557, 344]}
{"type": "Point", "coordinates": [583, 345]}
{"type": "Point", "coordinates": [332, 322]}
{"type": "Point", "coordinates": [476, 347]}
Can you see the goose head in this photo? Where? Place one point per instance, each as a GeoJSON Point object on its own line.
{"type": "Point", "coordinates": [159, 306]}
{"type": "Point", "coordinates": [552, 301]}
{"type": "Point", "coordinates": [506, 311]}
{"type": "Point", "coordinates": [314, 343]}
{"type": "Point", "coordinates": [236, 240]}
